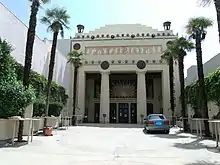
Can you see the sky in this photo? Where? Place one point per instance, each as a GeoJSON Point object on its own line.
{"type": "Point", "coordinates": [96, 13]}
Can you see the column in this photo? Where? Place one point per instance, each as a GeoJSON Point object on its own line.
{"type": "Point", "coordinates": [80, 110]}
{"type": "Point", "coordinates": [166, 92]}
{"type": "Point", "coordinates": [90, 96]}
{"type": "Point", "coordinates": [70, 79]}
{"type": "Point", "coordinates": [104, 97]}
{"type": "Point", "coordinates": [141, 96]}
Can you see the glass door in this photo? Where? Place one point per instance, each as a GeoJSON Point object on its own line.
{"type": "Point", "coordinates": [133, 110]}
{"type": "Point", "coordinates": [97, 113]}
{"type": "Point", "coordinates": [123, 110]}
{"type": "Point", "coordinates": [113, 112]}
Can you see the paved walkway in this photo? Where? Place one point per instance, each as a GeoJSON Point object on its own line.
{"type": "Point", "coordinates": [112, 146]}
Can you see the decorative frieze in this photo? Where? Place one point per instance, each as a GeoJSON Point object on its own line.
{"type": "Point", "coordinates": [123, 50]}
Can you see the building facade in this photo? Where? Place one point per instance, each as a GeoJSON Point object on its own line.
{"type": "Point", "coordinates": [123, 77]}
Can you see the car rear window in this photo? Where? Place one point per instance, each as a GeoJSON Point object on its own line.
{"type": "Point", "coordinates": [156, 117]}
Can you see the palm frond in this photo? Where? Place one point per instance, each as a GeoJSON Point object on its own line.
{"type": "Point", "coordinates": [201, 22]}
{"type": "Point", "coordinates": [75, 58]}
{"type": "Point", "coordinates": [45, 20]}
{"type": "Point", "coordinates": [57, 20]}
{"type": "Point", "coordinates": [61, 31]}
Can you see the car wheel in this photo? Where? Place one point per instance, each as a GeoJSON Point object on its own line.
{"type": "Point", "coordinates": [167, 131]}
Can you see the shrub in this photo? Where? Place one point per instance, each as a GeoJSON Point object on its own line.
{"type": "Point", "coordinates": [14, 99]}
{"type": "Point", "coordinates": [55, 108]}
{"type": "Point", "coordinates": [39, 82]}
{"type": "Point", "coordinates": [13, 96]}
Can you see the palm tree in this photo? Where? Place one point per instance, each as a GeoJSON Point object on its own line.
{"type": "Point", "coordinates": [29, 51]}
{"type": "Point", "coordinates": [76, 60]}
{"type": "Point", "coordinates": [217, 7]}
{"type": "Point", "coordinates": [57, 19]}
{"type": "Point", "coordinates": [179, 48]}
{"type": "Point", "coordinates": [196, 27]}
{"type": "Point", "coordinates": [168, 56]}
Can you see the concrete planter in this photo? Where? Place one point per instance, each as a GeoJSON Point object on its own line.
{"type": "Point", "coordinates": [52, 122]}
{"type": "Point", "coordinates": [6, 130]}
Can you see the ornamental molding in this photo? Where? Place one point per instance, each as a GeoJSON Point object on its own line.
{"type": "Point", "coordinates": [125, 62]}
{"type": "Point", "coordinates": [124, 50]}
{"type": "Point", "coordinates": [138, 36]}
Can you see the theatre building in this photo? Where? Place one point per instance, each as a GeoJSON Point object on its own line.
{"type": "Point", "coordinates": [123, 78]}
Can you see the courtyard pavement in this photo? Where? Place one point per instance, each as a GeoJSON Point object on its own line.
{"type": "Point", "coordinates": [89, 145]}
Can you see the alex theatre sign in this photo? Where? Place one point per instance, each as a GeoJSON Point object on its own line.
{"type": "Point", "coordinates": [123, 50]}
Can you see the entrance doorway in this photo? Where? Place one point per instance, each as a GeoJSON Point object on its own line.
{"type": "Point", "coordinates": [97, 113]}
{"type": "Point", "coordinates": [150, 108]}
{"type": "Point", "coordinates": [113, 113]}
{"type": "Point", "coordinates": [133, 109]}
{"type": "Point", "coordinates": [123, 110]}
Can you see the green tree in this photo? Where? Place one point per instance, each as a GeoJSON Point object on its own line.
{"type": "Point", "coordinates": [57, 20]}
{"type": "Point", "coordinates": [179, 48]}
{"type": "Point", "coordinates": [35, 4]}
{"type": "Point", "coordinates": [196, 27]}
{"type": "Point", "coordinates": [168, 56]}
{"type": "Point", "coordinates": [217, 7]}
{"type": "Point", "coordinates": [13, 96]}
{"type": "Point", "coordinates": [75, 58]}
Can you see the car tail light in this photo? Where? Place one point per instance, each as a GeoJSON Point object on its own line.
{"type": "Point", "coordinates": [166, 122]}
{"type": "Point", "coordinates": [150, 122]}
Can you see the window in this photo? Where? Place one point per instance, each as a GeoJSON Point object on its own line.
{"type": "Point", "coordinates": [155, 117]}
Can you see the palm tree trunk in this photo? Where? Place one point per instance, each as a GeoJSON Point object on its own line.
{"type": "Point", "coordinates": [182, 91]}
{"type": "Point", "coordinates": [171, 77]}
{"type": "Point", "coordinates": [217, 7]}
{"type": "Point", "coordinates": [74, 95]}
{"type": "Point", "coordinates": [50, 74]}
{"type": "Point", "coordinates": [28, 55]}
{"type": "Point", "coordinates": [202, 90]}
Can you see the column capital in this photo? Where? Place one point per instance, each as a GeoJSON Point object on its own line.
{"type": "Point", "coordinates": [105, 72]}
{"type": "Point", "coordinates": [141, 72]}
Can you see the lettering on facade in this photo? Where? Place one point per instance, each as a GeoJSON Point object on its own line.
{"type": "Point", "coordinates": [123, 50]}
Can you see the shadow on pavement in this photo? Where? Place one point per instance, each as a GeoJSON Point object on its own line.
{"type": "Point", "coordinates": [203, 163]}
{"type": "Point", "coordinates": [16, 144]}
{"type": "Point", "coordinates": [194, 145]}
{"type": "Point", "coordinates": [110, 125]}
{"type": "Point", "coordinates": [167, 136]}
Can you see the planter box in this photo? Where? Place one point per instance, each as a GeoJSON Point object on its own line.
{"type": "Point", "coordinates": [51, 122]}
{"type": "Point", "coordinates": [6, 130]}
{"type": "Point", "coordinates": [36, 126]}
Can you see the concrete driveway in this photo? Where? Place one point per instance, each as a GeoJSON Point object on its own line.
{"type": "Point", "coordinates": [89, 145]}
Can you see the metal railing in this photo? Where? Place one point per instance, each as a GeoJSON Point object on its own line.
{"type": "Point", "coordinates": [198, 123]}
{"type": "Point", "coordinates": [66, 122]}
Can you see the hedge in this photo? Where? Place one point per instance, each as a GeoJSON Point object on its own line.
{"type": "Point", "coordinates": [58, 98]}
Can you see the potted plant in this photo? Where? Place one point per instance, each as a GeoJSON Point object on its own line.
{"type": "Point", "coordinates": [14, 98]}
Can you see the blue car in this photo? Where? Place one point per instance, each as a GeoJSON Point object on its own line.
{"type": "Point", "coordinates": [156, 122]}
